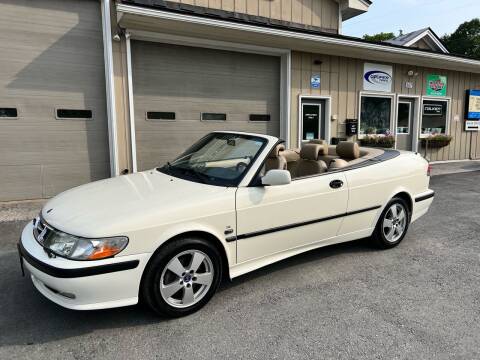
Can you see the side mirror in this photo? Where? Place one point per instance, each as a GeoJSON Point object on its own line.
{"type": "Point", "coordinates": [277, 177]}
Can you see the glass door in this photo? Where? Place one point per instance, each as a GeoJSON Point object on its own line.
{"type": "Point", "coordinates": [405, 124]}
{"type": "Point", "coordinates": [311, 121]}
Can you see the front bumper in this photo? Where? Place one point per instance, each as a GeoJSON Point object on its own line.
{"type": "Point", "coordinates": [82, 285]}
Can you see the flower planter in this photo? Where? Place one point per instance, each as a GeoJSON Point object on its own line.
{"type": "Point", "coordinates": [386, 142]}
{"type": "Point", "coordinates": [436, 141]}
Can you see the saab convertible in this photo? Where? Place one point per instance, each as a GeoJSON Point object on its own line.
{"type": "Point", "coordinates": [232, 203]}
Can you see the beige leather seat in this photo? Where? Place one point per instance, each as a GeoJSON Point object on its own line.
{"type": "Point", "coordinates": [346, 151]}
{"type": "Point", "coordinates": [308, 164]}
{"type": "Point", "coordinates": [275, 160]}
{"type": "Point", "coordinates": [292, 156]}
{"type": "Point", "coordinates": [326, 156]}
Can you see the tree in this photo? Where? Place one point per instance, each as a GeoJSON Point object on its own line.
{"type": "Point", "coordinates": [383, 36]}
{"type": "Point", "coordinates": [465, 40]}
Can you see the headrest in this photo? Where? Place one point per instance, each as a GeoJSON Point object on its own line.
{"type": "Point", "coordinates": [317, 141]}
{"type": "Point", "coordinates": [291, 155]}
{"type": "Point", "coordinates": [276, 151]}
{"type": "Point", "coordinates": [313, 151]}
{"type": "Point", "coordinates": [348, 150]}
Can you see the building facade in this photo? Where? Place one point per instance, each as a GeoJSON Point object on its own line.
{"type": "Point", "coordinates": [91, 89]}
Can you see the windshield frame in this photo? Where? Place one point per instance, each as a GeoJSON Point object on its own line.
{"type": "Point", "coordinates": [202, 178]}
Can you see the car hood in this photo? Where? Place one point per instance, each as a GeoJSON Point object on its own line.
{"type": "Point", "coordinates": [126, 203]}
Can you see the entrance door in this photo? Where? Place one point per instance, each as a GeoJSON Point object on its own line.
{"type": "Point", "coordinates": [311, 121]}
{"type": "Point", "coordinates": [406, 108]}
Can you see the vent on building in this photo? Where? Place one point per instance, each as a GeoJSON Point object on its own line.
{"type": "Point", "coordinates": [8, 113]}
{"type": "Point", "coordinates": [160, 115]}
{"type": "Point", "coordinates": [214, 116]}
{"type": "Point", "coordinates": [74, 114]}
{"type": "Point", "coordinates": [259, 117]}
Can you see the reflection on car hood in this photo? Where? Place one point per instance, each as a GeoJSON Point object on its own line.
{"type": "Point", "coordinates": [125, 203]}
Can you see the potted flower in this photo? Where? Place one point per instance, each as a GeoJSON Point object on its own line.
{"type": "Point", "coordinates": [436, 140]}
{"type": "Point", "coordinates": [386, 140]}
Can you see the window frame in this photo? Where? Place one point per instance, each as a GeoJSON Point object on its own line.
{"type": "Point", "coordinates": [393, 107]}
{"type": "Point", "coordinates": [446, 99]}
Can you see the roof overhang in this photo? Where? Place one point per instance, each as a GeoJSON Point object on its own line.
{"type": "Point", "coordinates": [352, 8]}
{"type": "Point", "coordinates": [166, 22]}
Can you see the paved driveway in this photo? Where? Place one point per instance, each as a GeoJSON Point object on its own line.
{"type": "Point", "coordinates": [420, 300]}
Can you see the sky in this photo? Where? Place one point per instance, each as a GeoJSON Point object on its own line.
{"type": "Point", "coordinates": [443, 16]}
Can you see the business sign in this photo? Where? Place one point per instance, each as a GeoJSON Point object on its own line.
{"type": "Point", "coordinates": [436, 85]}
{"type": "Point", "coordinates": [472, 105]}
{"type": "Point", "coordinates": [433, 109]}
{"type": "Point", "coordinates": [315, 81]}
{"type": "Point", "coordinates": [472, 125]}
{"type": "Point", "coordinates": [377, 77]}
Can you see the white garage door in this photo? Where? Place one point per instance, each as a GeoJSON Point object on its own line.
{"type": "Point", "coordinates": [181, 93]}
{"type": "Point", "coordinates": [51, 58]}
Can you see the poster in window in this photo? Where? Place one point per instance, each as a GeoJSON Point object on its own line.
{"type": "Point", "coordinates": [473, 105]}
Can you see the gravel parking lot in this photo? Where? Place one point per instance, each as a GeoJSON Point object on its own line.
{"type": "Point", "coordinates": [420, 300]}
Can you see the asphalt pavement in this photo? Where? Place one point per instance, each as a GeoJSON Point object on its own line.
{"type": "Point", "coordinates": [420, 300]}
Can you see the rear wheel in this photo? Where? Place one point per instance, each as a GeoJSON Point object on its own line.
{"type": "Point", "coordinates": [182, 277]}
{"type": "Point", "coordinates": [392, 225]}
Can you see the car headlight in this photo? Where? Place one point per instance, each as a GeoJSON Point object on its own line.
{"type": "Point", "coordinates": [79, 248]}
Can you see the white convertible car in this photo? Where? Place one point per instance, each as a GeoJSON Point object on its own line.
{"type": "Point", "coordinates": [230, 204]}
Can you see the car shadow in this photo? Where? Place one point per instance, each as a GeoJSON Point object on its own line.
{"type": "Point", "coordinates": [27, 318]}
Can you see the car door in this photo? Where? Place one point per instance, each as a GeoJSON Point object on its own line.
{"type": "Point", "coordinates": [273, 219]}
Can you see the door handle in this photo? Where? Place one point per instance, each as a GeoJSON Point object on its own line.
{"type": "Point", "coordinates": [336, 184]}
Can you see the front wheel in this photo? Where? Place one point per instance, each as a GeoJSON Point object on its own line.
{"type": "Point", "coordinates": [392, 225]}
{"type": "Point", "coordinates": [182, 277]}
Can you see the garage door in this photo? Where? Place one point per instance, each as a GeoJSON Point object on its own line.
{"type": "Point", "coordinates": [51, 58]}
{"type": "Point", "coordinates": [181, 93]}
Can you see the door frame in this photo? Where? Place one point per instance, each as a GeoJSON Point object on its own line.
{"type": "Point", "coordinates": [328, 111]}
{"type": "Point", "coordinates": [285, 56]}
{"type": "Point", "coordinates": [416, 119]}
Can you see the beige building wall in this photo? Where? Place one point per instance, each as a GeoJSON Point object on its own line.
{"type": "Point", "coordinates": [341, 78]}
{"type": "Point", "coordinates": [318, 13]}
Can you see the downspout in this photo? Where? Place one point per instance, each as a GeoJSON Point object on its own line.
{"type": "Point", "coordinates": [110, 86]}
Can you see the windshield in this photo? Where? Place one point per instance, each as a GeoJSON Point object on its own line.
{"type": "Point", "coordinates": [217, 159]}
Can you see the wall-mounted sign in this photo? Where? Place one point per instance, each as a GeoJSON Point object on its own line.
{"type": "Point", "coordinates": [351, 127]}
{"type": "Point", "coordinates": [377, 77]}
{"type": "Point", "coordinates": [432, 109]}
{"type": "Point", "coordinates": [315, 81]}
{"type": "Point", "coordinates": [472, 105]}
{"type": "Point", "coordinates": [436, 85]}
{"type": "Point", "coordinates": [472, 125]}
{"type": "Point", "coordinates": [408, 85]}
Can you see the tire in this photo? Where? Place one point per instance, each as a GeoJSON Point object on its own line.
{"type": "Point", "coordinates": [181, 277]}
{"type": "Point", "coordinates": [391, 229]}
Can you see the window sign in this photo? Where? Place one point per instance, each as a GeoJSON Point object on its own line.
{"type": "Point", "coordinates": [472, 105]}
{"type": "Point", "coordinates": [432, 109]}
{"type": "Point", "coordinates": [436, 85]}
{"type": "Point", "coordinates": [377, 77]}
{"type": "Point", "coordinates": [315, 81]}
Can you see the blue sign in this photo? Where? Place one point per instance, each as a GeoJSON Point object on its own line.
{"type": "Point", "coordinates": [472, 105]}
{"type": "Point", "coordinates": [315, 81]}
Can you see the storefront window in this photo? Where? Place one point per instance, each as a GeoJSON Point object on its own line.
{"type": "Point", "coordinates": [434, 117]}
{"type": "Point", "coordinates": [376, 115]}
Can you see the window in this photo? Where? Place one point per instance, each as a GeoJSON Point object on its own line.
{"type": "Point", "coordinates": [375, 115]}
{"type": "Point", "coordinates": [259, 117]}
{"type": "Point", "coordinates": [8, 113]}
{"type": "Point", "coordinates": [214, 116]}
{"type": "Point", "coordinates": [404, 114]}
{"type": "Point", "coordinates": [160, 115]}
{"type": "Point", "coordinates": [434, 117]}
{"type": "Point", "coordinates": [74, 114]}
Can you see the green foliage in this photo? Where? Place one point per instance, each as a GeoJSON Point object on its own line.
{"type": "Point", "coordinates": [437, 140]}
{"type": "Point", "coordinates": [465, 40]}
{"type": "Point", "coordinates": [379, 37]}
{"type": "Point", "coordinates": [378, 141]}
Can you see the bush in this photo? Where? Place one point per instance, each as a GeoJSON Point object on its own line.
{"type": "Point", "coordinates": [383, 141]}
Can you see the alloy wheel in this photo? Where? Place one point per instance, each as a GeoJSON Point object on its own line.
{"type": "Point", "coordinates": [394, 222]}
{"type": "Point", "coordinates": [187, 278]}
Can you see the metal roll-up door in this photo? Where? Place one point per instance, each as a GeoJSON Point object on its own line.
{"type": "Point", "coordinates": [174, 85]}
{"type": "Point", "coordinates": [51, 59]}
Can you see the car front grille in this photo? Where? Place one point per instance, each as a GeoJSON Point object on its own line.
{"type": "Point", "coordinates": [41, 230]}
